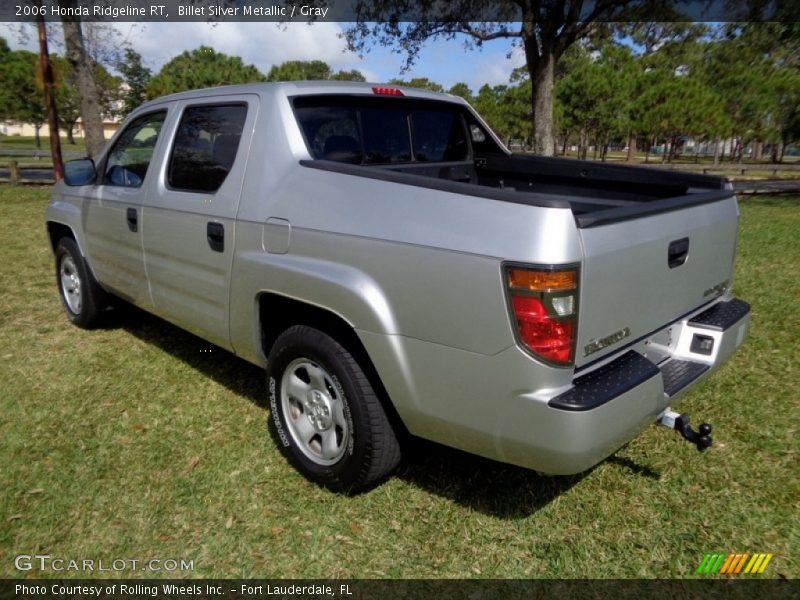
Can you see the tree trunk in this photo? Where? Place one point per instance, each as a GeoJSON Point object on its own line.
{"type": "Point", "coordinates": [70, 127]}
{"type": "Point", "coordinates": [675, 148]}
{"type": "Point", "coordinates": [50, 100]}
{"type": "Point", "coordinates": [716, 152]}
{"type": "Point", "coordinates": [631, 148]}
{"type": "Point", "coordinates": [87, 87]}
{"type": "Point", "coordinates": [783, 149]}
{"type": "Point", "coordinates": [736, 151]}
{"type": "Point", "coordinates": [541, 68]}
{"type": "Point", "coordinates": [38, 138]}
{"type": "Point", "coordinates": [583, 144]}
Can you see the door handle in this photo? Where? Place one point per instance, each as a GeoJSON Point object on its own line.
{"type": "Point", "coordinates": [215, 234]}
{"type": "Point", "coordinates": [133, 219]}
{"type": "Point", "coordinates": [677, 253]}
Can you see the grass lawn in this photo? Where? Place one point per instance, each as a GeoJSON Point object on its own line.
{"type": "Point", "coordinates": [21, 142]}
{"type": "Point", "coordinates": [141, 441]}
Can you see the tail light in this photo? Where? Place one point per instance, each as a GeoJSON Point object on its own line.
{"type": "Point", "coordinates": [544, 303]}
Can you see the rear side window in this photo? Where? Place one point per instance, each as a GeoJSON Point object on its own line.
{"type": "Point", "coordinates": [205, 147]}
{"type": "Point", "coordinates": [364, 130]}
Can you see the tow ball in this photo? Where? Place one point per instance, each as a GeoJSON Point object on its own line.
{"type": "Point", "coordinates": [680, 423]}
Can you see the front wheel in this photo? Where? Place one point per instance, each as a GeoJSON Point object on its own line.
{"type": "Point", "coordinates": [328, 419]}
{"type": "Point", "coordinates": [81, 295]}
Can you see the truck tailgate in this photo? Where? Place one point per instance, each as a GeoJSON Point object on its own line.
{"type": "Point", "coordinates": [639, 275]}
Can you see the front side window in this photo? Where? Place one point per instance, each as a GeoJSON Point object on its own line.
{"type": "Point", "coordinates": [205, 147]}
{"type": "Point", "coordinates": [130, 157]}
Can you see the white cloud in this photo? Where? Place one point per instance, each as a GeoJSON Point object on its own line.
{"type": "Point", "coordinates": [260, 44]}
{"type": "Point", "coordinates": [450, 62]}
{"type": "Point", "coordinates": [19, 36]}
{"type": "Point", "coordinates": [268, 44]}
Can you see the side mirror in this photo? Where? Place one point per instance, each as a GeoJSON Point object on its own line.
{"type": "Point", "coordinates": [79, 172]}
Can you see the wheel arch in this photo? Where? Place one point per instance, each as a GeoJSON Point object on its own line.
{"type": "Point", "coordinates": [277, 313]}
{"type": "Point", "coordinates": [57, 231]}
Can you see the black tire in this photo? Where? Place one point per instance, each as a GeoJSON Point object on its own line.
{"type": "Point", "coordinates": [326, 416]}
{"type": "Point", "coordinates": [82, 297]}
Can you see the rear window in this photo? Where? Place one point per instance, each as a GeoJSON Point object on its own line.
{"type": "Point", "coordinates": [438, 135]}
{"type": "Point", "coordinates": [367, 130]}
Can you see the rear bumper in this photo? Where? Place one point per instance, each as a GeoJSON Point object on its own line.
{"type": "Point", "coordinates": [511, 408]}
{"type": "Point", "coordinates": [610, 405]}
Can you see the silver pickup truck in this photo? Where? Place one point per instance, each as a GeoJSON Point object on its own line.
{"type": "Point", "coordinates": [396, 270]}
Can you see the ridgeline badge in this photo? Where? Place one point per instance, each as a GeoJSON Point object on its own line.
{"type": "Point", "coordinates": [595, 345]}
{"type": "Point", "coordinates": [733, 564]}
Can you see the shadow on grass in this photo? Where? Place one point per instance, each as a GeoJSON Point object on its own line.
{"type": "Point", "coordinates": [636, 469]}
{"type": "Point", "coordinates": [477, 483]}
{"type": "Point", "coordinates": [223, 367]}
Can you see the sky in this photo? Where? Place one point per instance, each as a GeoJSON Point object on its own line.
{"type": "Point", "coordinates": [267, 44]}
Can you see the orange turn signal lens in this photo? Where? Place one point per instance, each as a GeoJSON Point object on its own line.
{"type": "Point", "coordinates": [541, 281]}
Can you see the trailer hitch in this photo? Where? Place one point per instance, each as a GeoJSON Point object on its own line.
{"type": "Point", "coordinates": [680, 423]}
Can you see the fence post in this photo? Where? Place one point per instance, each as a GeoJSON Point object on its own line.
{"type": "Point", "coordinates": [13, 172]}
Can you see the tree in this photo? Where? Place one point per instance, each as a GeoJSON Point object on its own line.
{"type": "Point", "coordinates": [422, 83]}
{"type": "Point", "coordinates": [544, 30]}
{"type": "Point", "coordinates": [85, 83]}
{"type": "Point", "coordinates": [755, 68]}
{"type": "Point", "coordinates": [506, 111]}
{"type": "Point", "coordinates": [352, 75]}
{"type": "Point", "coordinates": [48, 83]}
{"type": "Point", "coordinates": [787, 115]}
{"type": "Point", "coordinates": [674, 106]}
{"type": "Point", "coordinates": [136, 77]}
{"type": "Point", "coordinates": [300, 70]}
{"type": "Point", "coordinates": [461, 90]}
{"type": "Point", "coordinates": [21, 98]}
{"type": "Point", "coordinates": [669, 45]}
{"type": "Point", "coordinates": [313, 70]}
{"type": "Point", "coordinates": [68, 98]}
{"type": "Point", "coordinates": [581, 94]}
{"type": "Point", "coordinates": [201, 68]}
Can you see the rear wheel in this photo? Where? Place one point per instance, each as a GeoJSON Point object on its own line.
{"type": "Point", "coordinates": [81, 295]}
{"type": "Point", "coordinates": [327, 417]}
